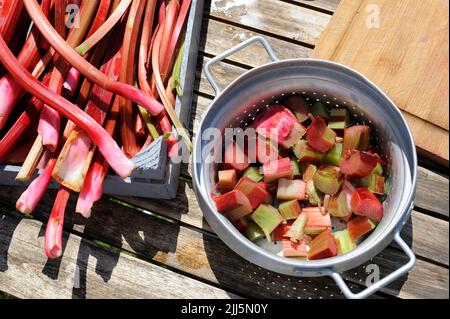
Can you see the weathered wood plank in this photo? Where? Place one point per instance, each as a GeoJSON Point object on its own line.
{"type": "Point", "coordinates": [274, 17]}
{"type": "Point", "coordinates": [328, 5]}
{"type": "Point", "coordinates": [85, 270]}
{"type": "Point", "coordinates": [217, 37]}
{"type": "Point", "coordinates": [432, 192]}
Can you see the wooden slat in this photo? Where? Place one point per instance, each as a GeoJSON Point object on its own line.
{"type": "Point", "coordinates": [432, 192]}
{"type": "Point", "coordinates": [287, 20]}
{"type": "Point", "coordinates": [217, 37]}
{"type": "Point", "coordinates": [85, 270]}
{"type": "Point", "coordinates": [328, 5]}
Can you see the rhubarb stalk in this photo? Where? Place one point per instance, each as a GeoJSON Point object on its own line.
{"type": "Point", "coordinates": [162, 92]}
{"type": "Point", "coordinates": [129, 143]}
{"type": "Point", "coordinates": [75, 157]}
{"type": "Point", "coordinates": [49, 123]}
{"type": "Point", "coordinates": [88, 70]}
{"type": "Point", "coordinates": [109, 148]}
{"type": "Point", "coordinates": [54, 230]}
{"type": "Point", "coordinates": [91, 190]}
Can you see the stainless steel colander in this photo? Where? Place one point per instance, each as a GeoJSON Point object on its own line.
{"type": "Point", "coordinates": [337, 86]}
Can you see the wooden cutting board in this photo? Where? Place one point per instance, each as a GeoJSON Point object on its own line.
{"type": "Point", "coordinates": [402, 46]}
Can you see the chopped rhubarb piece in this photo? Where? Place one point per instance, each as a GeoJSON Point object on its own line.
{"type": "Point", "coordinates": [339, 119]}
{"type": "Point", "coordinates": [262, 150]}
{"type": "Point", "coordinates": [295, 167]}
{"type": "Point", "coordinates": [358, 164]}
{"type": "Point", "coordinates": [374, 183]}
{"type": "Point", "coordinates": [364, 203]}
{"type": "Point", "coordinates": [298, 106]}
{"type": "Point", "coordinates": [319, 136]}
{"type": "Point", "coordinates": [253, 173]}
{"type": "Point", "coordinates": [319, 109]}
{"type": "Point", "coordinates": [275, 170]}
{"type": "Point", "coordinates": [254, 192]}
{"type": "Point", "coordinates": [309, 172]}
{"type": "Point", "coordinates": [233, 204]}
{"type": "Point", "coordinates": [253, 231]}
{"type": "Point", "coordinates": [316, 222]}
{"type": "Point", "coordinates": [333, 156]}
{"type": "Point", "coordinates": [343, 241]}
{"type": "Point", "coordinates": [323, 246]}
{"type": "Point", "coordinates": [313, 194]}
{"type": "Point", "coordinates": [227, 180]}
{"type": "Point", "coordinates": [290, 209]}
{"type": "Point", "coordinates": [296, 249]}
{"type": "Point", "coordinates": [240, 224]}
{"type": "Point", "coordinates": [297, 230]}
{"type": "Point", "coordinates": [357, 137]}
{"type": "Point", "coordinates": [280, 232]}
{"type": "Point", "coordinates": [339, 206]}
{"type": "Point", "coordinates": [359, 226]}
{"type": "Point", "coordinates": [235, 157]}
{"type": "Point", "coordinates": [291, 189]}
{"type": "Point", "coordinates": [328, 179]}
{"type": "Point", "coordinates": [306, 154]}
{"type": "Point", "coordinates": [271, 188]}
{"type": "Point", "coordinates": [280, 125]}
{"type": "Point", "coordinates": [268, 218]}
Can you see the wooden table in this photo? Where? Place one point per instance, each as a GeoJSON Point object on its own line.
{"type": "Point", "coordinates": [136, 248]}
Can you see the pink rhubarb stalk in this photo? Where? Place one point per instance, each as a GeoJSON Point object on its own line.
{"type": "Point", "coordinates": [109, 148]}
{"type": "Point", "coordinates": [75, 157]}
{"type": "Point", "coordinates": [54, 230]}
{"type": "Point", "coordinates": [88, 70]}
{"type": "Point", "coordinates": [93, 183]}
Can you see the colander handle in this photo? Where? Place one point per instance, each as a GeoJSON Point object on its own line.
{"type": "Point", "coordinates": [383, 282]}
{"type": "Point", "coordinates": [240, 46]}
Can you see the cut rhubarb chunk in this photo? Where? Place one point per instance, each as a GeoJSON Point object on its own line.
{"type": "Point", "coordinates": [333, 156]}
{"type": "Point", "coordinates": [254, 192]}
{"type": "Point", "coordinates": [316, 222]}
{"type": "Point", "coordinates": [359, 226]}
{"type": "Point", "coordinates": [339, 119]}
{"type": "Point", "coordinates": [253, 231]}
{"type": "Point", "coordinates": [291, 189]}
{"type": "Point", "coordinates": [241, 224]}
{"type": "Point", "coordinates": [306, 154]}
{"type": "Point", "coordinates": [227, 180]}
{"type": "Point", "coordinates": [299, 106]}
{"type": "Point", "coordinates": [295, 167]}
{"type": "Point", "coordinates": [253, 173]}
{"type": "Point", "coordinates": [268, 218]}
{"type": "Point", "coordinates": [309, 172]}
{"type": "Point", "coordinates": [262, 150]}
{"type": "Point", "coordinates": [374, 183]}
{"type": "Point", "coordinates": [297, 230]}
{"type": "Point", "coordinates": [323, 246]}
{"type": "Point", "coordinates": [290, 209]}
{"type": "Point", "coordinates": [357, 137]}
{"type": "Point", "coordinates": [235, 157]}
{"type": "Point", "coordinates": [275, 170]}
{"type": "Point", "coordinates": [233, 204]}
{"type": "Point", "coordinates": [339, 206]}
{"type": "Point", "coordinates": [280, 232]}
{"type": "Point", "coordinates": [364, 203]}
{"type": "Point", "coordinates": [358, 164]}
{"type": "Point", "coordinates": [319, 136]}
{"type": "Point", "coordinates": [313, 194]}
{"type": "Point", "coordinates": [328, 179]}
{"type": "Point", "coordinates": [280, 125]}
{"type": "Point", "coordinates": [344, 242]}
{"type": "Point", "coordinates": [319, 109]}
{"type": "Point", "coordinates": [296, 249]}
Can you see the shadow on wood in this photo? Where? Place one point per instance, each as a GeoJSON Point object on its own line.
{"type": "Point", "coordinates": [8, 225]}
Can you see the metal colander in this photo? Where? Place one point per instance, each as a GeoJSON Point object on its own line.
{"type": "Point", "coordinates": [337, 86]}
